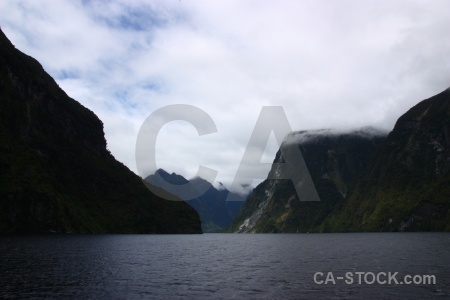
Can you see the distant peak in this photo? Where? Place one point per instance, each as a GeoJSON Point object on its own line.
{"type": "Point", "coordinates": [198, 179]}
{"type": "Point", "coordinates": [162, 172]}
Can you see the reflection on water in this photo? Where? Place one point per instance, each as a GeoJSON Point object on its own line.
{"type": "Point", "coordinates": [229, 266]}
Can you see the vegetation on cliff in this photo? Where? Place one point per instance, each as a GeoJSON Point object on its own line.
{"type": "Point", "coordinates": [401, 185]}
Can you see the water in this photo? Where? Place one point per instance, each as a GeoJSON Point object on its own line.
{"type": "Point", "coordinates": [220, 266]}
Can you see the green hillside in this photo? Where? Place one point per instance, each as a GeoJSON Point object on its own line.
{"type": "Point", "coordinates": [401, 185]}
{"type": "Point", "coordinates": [335, 162]}
{"type": "Point", "coordinates": [407, 186]}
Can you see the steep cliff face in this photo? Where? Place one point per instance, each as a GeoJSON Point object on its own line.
{"type": "Point", "coordinates": [402, 185]}
{"type": "Point", "coordinates": [56, 174]}
{"type": "Point", "coordinates": [215, 212]}
{"type": "Point", "coordinates": [335, 162]}
{"type": "Point", "coordinates": [407, 186]}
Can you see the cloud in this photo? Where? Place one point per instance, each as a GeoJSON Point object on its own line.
{"type": "Point", "coordinates": [330, 64]}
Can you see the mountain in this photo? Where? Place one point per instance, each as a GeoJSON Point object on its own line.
{"type": "Point", "coordinates": [407, 185]}
{"type": "Point", "coordinates": [215, 212]}
{"type": "Point", "coordinates": [335, 162]}
{"type": "Point", "coordinates": [56, 174]}
{"type": "Point", "coordinates": [365, 181]}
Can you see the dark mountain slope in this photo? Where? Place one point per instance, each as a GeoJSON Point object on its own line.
{"type": "Point", "coordinates": [402, 185]}
{"type": "Point", "coordinates": [407, 186]}
{"type": "Point", "coordinates": [335, 162]}
{"type": "Point", "coordinates": [56, 174]}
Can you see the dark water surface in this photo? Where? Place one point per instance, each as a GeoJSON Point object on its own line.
{"type": "Point", "coordinates": [221, 266]}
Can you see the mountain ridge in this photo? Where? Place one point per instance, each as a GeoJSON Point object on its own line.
{"type": "Point", "coordinates": [404, 185]}
{"type": "Point", "coordinates": [334, 159]}
{"type": "Point", "coordinates": [216, 213]}
{"type": "Point", "coordinates": [407, 186]}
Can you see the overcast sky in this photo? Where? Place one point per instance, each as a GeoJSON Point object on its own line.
{"type": "Point", "coordinates": [329, 64]}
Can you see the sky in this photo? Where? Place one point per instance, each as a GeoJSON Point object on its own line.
{"type": "Point", "coordinates": [328, 64]}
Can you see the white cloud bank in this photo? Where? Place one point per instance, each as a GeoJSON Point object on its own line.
{"type": "Point", "coordinates": [330, 64]}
